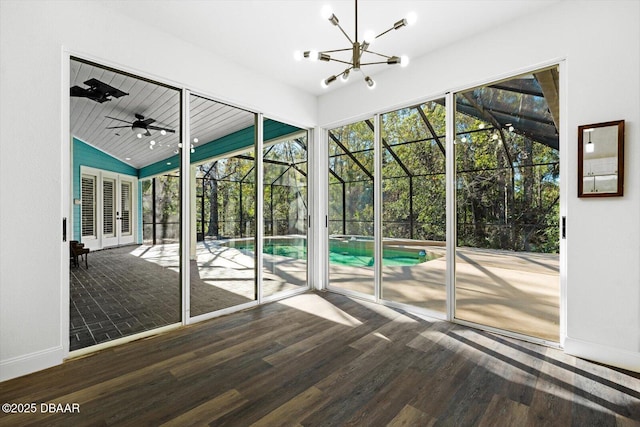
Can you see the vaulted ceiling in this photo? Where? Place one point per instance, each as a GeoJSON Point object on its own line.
{"type": "Point", "coordinates": [90, 120]}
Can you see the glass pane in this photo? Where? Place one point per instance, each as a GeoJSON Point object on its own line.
{"type": "Point", "coordinates": [223, 200]}
{"type": "Point", "coordinates": [507, 190]}
{"type": "Point", "coordinates": [88, 194]}
{"type": "Point", "coordinates": [285, 211]}
{"type": "Point", "coordinates": [125, 207]}
{"type": "Point", "coordinates": [130, 204]}
{"type": "Point", "coordinates": [108, 207]}
{"type": "Point", "coordinates": [413, 206]}
{"type": "Point", "coordinates": [351, 207]}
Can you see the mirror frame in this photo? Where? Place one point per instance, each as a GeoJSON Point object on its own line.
{"type": "Point", "coordinates": [619, 190]}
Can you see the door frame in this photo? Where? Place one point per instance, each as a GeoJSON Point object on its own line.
{"type": "Point", "coordinates": [100, 241]}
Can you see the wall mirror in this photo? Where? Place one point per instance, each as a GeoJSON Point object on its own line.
{"type": "Point", "coordinates": [601, 159]}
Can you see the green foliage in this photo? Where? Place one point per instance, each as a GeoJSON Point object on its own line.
{"type": "Point", "coordinates": [507, 186]}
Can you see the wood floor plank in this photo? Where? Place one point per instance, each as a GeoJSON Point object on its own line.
{"type": "Point", "coordinates": [209, 411]}
{"type": "Point", "coordinates": [333, 360]}
{"type": "Point", "coordinates": [304, 346]}
{"type": "Point", "coordinates": [504, 411]}
{"type": "Point", "coordinates": [294, 410]}
{"type": "Point", "coordinates": [409, 417]}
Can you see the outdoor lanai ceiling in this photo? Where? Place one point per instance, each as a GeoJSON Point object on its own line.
{"type": "Point", "coordinates": [528, 104]}
{"type": "Point", "coordinates": [90, 120]}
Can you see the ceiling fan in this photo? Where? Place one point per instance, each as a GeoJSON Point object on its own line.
{"type": "Point", "coordinates": [141, 126]}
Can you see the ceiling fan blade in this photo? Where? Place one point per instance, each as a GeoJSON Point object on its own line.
{"type": "Point", "coordinates": [159, 128]}
{"type": "Point", "coordinates": [118, 127]}
{"type": "Point", "coordinates": [148, 121]}
{"type": "Point", "coordinates": [120, 120]}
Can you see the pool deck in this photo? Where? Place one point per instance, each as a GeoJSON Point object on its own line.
{"type": "Point", "coordinates": [515, 291]}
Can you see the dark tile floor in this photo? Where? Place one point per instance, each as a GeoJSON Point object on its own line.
{"type": "Point", "coordinates": [118, 295]}
{"type": "Point", "coordinates": [131, 289]}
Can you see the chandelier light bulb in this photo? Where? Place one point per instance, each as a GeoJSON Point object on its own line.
{"type": "Point", "coordinates": [344, 76]}
{"type": "Point", "coordinates": [370, 82]}
{"type": "Point", "coordinates": [313, 55]}
{"type": "Point", "coordinates": [411, 18]}
{"type": "Point", "coordinates": [326, 12]}
{"type": "Point", "coordinates": [163, 132]}
{"type": "Point", "coordinates": [139, 135]}
{"type": "Point", "coordinates": [369, 37]}
{"type": "Point", "coordinates": [152, 142]}
{"type": "Point", "coordinates": [195, 140]}
{"type": "Point", "coordinates": [404, 60]}
{"type": "Point", "coordinates": [297, 55]}
{"type": "Point", "coordinates": [326, 82]}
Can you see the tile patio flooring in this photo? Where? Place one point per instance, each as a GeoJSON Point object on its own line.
{"type": "Point", "coordinates": [136, 288]}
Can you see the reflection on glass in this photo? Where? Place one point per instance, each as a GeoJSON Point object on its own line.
{"type": "Point", "coordinates": [351, 244]}
{"type": "Point", "coordinates": [507, 190]}
{"type": "Point", "coordinates": [223, 198]}
{"type": "Point", "coordinates": [413, 206]}
{"type": "Point", "coordinates": [285, 215]}
{"type": "Point", "coordinates": [126, 207]}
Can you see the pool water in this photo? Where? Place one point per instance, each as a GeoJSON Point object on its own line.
{"type": "Point", "coordinates": [338, 253]}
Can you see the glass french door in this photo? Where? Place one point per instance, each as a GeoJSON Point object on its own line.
{"type": "Point", "coordinates": [109, 213]}
{"type": "Point", "coordinates": [117, 210]}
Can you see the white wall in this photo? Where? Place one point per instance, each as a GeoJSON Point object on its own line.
{"type": "Point", "coordinates": [600, 41]}
{"type": "Point", "coordinates": [32, 146]}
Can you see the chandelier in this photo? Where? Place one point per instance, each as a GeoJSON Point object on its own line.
{"type": "Point", "coordinates": [357, 49]}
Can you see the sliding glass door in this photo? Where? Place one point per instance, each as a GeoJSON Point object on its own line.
{"type": "Point", "coordinates": [285, 211]}
{"type": "Point", "coordinates": [127, 205]}
{"type": "Point", "coordinates": [350, 220]}
{"type": "Point", "coordinates": [507, 197]}
{"type": "Point", "coordinates": [223, 200]}
{"type": "Point", "coordinates": [503, 168]}
{"type": "Point", "coordinates": [413, 206]}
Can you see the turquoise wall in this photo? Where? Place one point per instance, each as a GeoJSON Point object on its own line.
{"type": "Point", "coordinates": [243, 138]}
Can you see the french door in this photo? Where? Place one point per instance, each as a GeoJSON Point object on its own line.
{"type": "Point", "coordinates": [108, 209]}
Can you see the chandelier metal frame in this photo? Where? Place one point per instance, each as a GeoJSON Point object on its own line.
{"type": "Point", "coordinates": [357, 49]}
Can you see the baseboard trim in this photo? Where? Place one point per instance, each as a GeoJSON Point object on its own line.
{"type": "Point", "coordinates": [619, 358]}
{"type": "Point", "coordinates": [28, 363]}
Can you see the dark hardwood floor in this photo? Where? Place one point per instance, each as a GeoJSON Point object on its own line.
{"type": "Point", "coordinates": [323, 359]}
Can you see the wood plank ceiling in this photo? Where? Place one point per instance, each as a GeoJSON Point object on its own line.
{"type": "Point", "coordinates": [210, 120]}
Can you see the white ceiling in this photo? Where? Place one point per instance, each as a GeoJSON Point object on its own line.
{"type": "Point", "coordinates": [262, 35]}
{"type": "Point", "coordinates": [210, 120]}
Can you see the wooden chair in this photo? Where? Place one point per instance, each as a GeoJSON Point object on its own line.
{"type": "Point", "coordinates": [77, 250]}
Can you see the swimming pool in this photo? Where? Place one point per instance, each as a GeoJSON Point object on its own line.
{"type": "Point", "coordinates": [354, 252]}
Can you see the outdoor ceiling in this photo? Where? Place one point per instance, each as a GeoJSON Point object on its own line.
{"type": "Point", "coordinates": [263, 35]}
{"type": "Point", "coordinates": [210, 120]}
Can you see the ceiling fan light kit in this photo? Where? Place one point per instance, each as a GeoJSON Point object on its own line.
{"type": "Point", "coordinates": [141, 126]}
{"type": "Point", "coordinates": [357, 49]}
